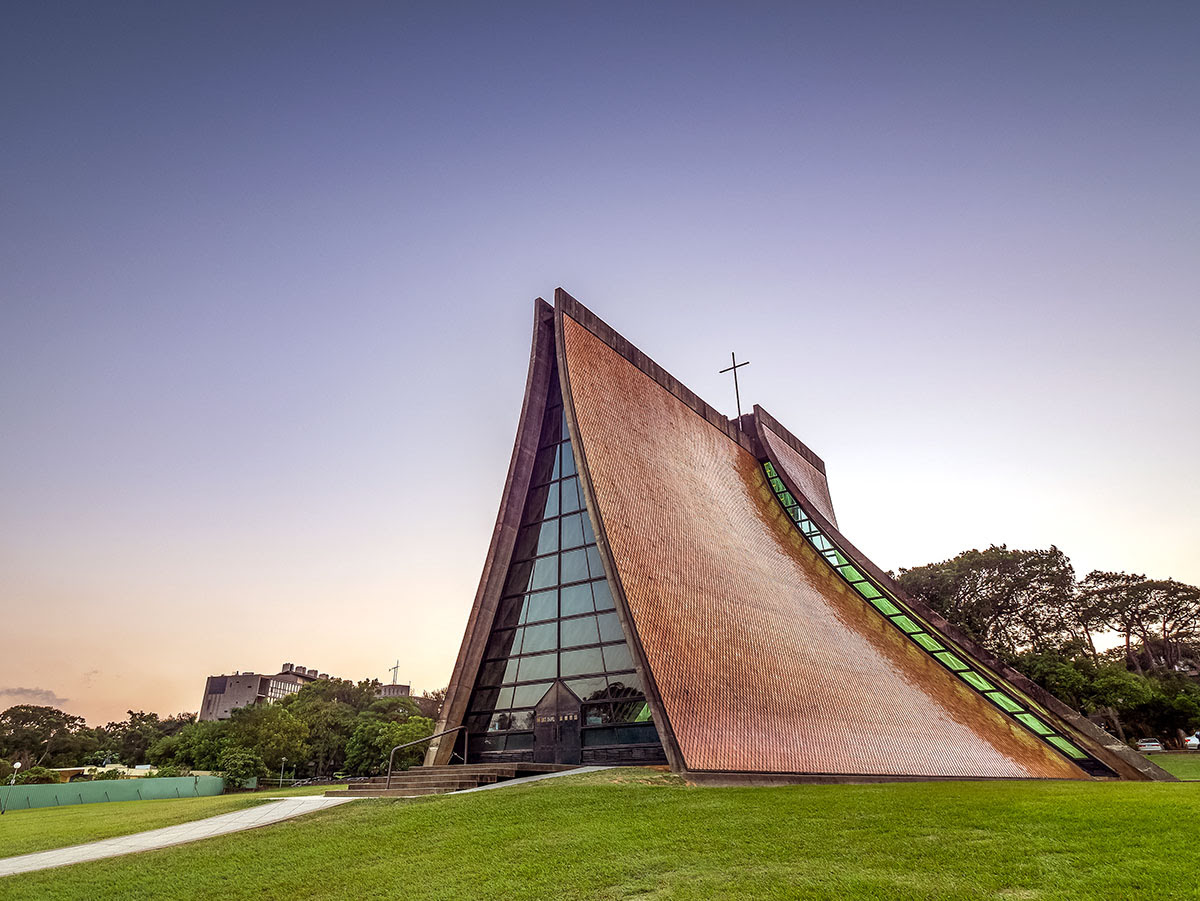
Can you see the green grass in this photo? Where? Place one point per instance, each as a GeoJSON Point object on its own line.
{"type": "Point", "coordinates": [1181, 765]}
{"type": "Point", "coordinates": [24, 831]}
{"type": "Point", "coordinates": [639, 834]}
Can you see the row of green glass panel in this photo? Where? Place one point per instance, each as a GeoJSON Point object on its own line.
{"type": "Point", "coordinates": [554, 426]}
{"type": "Point", "coordinates": [587, 688]}
{"type": "Point", "coordinates": [555, 498]}
{"type": "Point", "coordinates": [614, 686]}
{"type": "Point", "coordinates": [609, 658]}
{"type": "Point", "coordinates": [554, 462]}
{"type": "Point", "coordinates": [575, 632]}
{"type": "Point", "coordinates": [604, 736]}
{"type": "Point", "coordinates": [579, 565]}
{"type": "Point", "coordinates": [570, 600]}
{"type": "Point", "coordinates": [872, 594]}
{"type": "Point", "coordinates": [905, 623]}
{"type": "Point", "coordinates": [573, 530]}
{"type": "Point", "coordinates": [635, 710]}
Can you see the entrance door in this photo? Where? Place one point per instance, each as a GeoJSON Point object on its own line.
{"type": "Point", "coordinates": [556, 726]}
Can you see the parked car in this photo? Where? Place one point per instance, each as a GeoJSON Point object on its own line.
{"type": "Point", "coordinates": [1149, 744]}
{"type": "Point", "coordinates": [1192, 742]}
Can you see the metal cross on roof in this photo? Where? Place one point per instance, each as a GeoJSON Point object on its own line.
{"type": "Point", "coordinates": [394, 670]}
{"type": "Point", "coordinates": [734, 368]}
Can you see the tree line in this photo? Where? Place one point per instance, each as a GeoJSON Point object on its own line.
{"type": "Point", "coordinates": [1029, 609]}
{"type": "Point", "coordinates": [1026, 607]}
{"type": "Point", "coordinates": [329, 726]}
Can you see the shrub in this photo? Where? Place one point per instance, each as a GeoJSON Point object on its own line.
{"type": "Point", "coordinates": [169, 771]}
{"type": "Point", "coordinates": [37, 775]}
{"type": "Point", "coordinates": [239, 766]}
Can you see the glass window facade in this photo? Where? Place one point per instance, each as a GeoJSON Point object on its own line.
{"type": "Point", "coordinates": [557, 620]}
{"type": "Point", "coordinates": [890, 608]}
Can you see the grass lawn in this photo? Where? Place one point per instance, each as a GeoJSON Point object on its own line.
{"type": "Point", "coordinates": [1181, 765]}
{"type": "Point", "coordinates": [23, 831]}
{"type": "Point", "coordinates": [641, 834]}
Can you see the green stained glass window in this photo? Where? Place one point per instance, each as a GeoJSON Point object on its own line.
{"type": "Point", "coordinates": [977, 681]}
{"type": "Point", "coordinates": [1035, 724]}
{"type": "Point", "coordinates": [1003, 701]}
{"type": "Point", "coordinates": [1066, 747]}
{"type": "Point", "coordinates": [883, 604]}
{"type": "Point", "coordinates": [928, 642]}
{"type": "Point", "coordinates": [951, 660]}
{"type": "Point", "coordinates": [906, 624]}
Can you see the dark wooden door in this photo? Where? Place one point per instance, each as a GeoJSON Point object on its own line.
{"type": "Point", "coordinates": [556, 727]}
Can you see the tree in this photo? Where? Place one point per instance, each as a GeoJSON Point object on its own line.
{"type": "Point", "coordinates": [372, 742]}
{"type": "Point", "coordinates": [197, 745]}
{"type": "Point", "coordinates": [35, 735]}
{"type": "Point", "coordinates": [271, 731]}
{"type": "Point", "coordinates": [330, 708]}
{"type": "Point", "coordinates": [239, 765]}
{"type": "Point", "coordinates": [395, 710]}
{"type": "Point", "coordinates": [1158, 620]}
{"type": "Point", "coordinates": [1008, 601]}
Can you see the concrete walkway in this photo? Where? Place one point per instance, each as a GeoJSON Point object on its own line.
{"type": "Point", "coordinates": [250, 818]}
{"type": "Point", "coordinates": [538, 778]}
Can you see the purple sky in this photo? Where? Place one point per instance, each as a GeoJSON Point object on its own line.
{"type": "Point", "coordinates": [266, 272]}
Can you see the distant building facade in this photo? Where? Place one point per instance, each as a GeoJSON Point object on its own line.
{"type": "Point", "coordinates": [393, 691]}
{"type": "Point", "coordinates": [225, 694]}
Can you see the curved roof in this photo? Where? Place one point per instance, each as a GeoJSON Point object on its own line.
{"type": "Point", "coordinates": [763, 660]}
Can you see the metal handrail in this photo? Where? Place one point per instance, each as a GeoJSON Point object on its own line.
{"type": "Point", "coordinates": [419, 741]}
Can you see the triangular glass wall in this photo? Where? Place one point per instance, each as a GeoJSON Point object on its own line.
{"type": "Point", "coordinates": [556, 623]}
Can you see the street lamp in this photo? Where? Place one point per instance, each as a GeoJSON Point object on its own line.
{"type": "Point", "coordinates": [281, 772]}
{"type": "Point", "coordinates": [4, 806]}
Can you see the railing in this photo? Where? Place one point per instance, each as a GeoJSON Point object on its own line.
{"type": "Point", "coordinates": [421, 741]}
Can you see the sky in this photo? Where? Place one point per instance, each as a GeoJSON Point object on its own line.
{"type": "Point", "coordinates": [267, 271]}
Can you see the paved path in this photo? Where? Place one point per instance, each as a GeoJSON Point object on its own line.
{"type": "Point", "coordinates": [538, 778]}
{"type": "Point", "coordinates": [250, 818]}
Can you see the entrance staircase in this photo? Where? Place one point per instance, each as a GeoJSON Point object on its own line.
{"type": "Point", "coordinates": [437, 780]}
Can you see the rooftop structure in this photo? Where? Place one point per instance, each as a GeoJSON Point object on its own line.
{"type": "Point", "coordinates": [665, 584]}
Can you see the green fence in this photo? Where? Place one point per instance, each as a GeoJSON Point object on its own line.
{"type": "Point", "coordinates": [23, 797]}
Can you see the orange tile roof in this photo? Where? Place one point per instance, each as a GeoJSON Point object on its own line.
{"type": "Point", "coordinates": [765, 661]}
